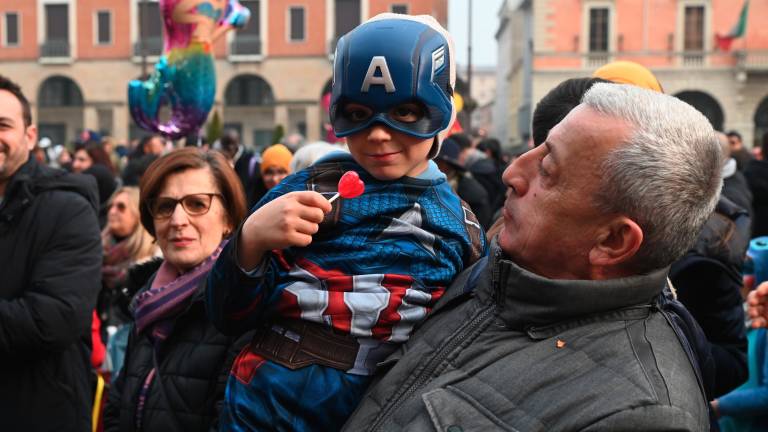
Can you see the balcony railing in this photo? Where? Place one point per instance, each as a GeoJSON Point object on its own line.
{"type": "Point", "coordinates": [245, 45]}
{"type": "Point", "coordinates": [752, 59]}
{"type": "Point", "coordinates": [55, 48]}
{"type": "Point", "coordinates": [597, 59]}
{"type": "Point", "coordinates": [151, 46]}
{"type": "Point", "coordinates": [694, 59]}
{"type": "Point", "coordinates": [756, 60]}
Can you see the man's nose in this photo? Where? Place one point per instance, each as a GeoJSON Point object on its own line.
{"type": "Point", "coordinates": [518, 174]}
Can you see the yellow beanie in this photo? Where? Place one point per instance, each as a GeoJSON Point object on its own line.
{"type": "Point", "coordinates": [277, 155]}
{"type": "Point", "coordinates": [627, 72]}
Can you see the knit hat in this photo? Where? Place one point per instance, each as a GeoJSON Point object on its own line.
{"type": "Point", "coordinates": [627, 72]}
{"type": "Point", "coordinates": [277, 155]}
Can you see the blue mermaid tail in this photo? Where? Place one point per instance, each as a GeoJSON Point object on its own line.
{"type": "Point", "coordinates": [185, 80]}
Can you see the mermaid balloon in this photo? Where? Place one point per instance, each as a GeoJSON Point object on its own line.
{"type": "Point", "coordinates": [184, 77]}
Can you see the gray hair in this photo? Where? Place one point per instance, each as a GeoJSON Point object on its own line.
{"type": "Point", "coordinates": [665, 177]}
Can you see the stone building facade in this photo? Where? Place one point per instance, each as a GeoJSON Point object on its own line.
{"type": "Point", "coordinates": [676, 39]}
{"type": "Point", "coordinates": [74, 59]}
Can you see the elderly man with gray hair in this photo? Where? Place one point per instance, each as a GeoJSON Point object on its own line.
{"type": "Point", "coordinates": [563, 327]}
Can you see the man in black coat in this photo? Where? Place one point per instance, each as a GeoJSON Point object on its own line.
{"type": "Point", "coordinates": [757, 177]}
{"type": "Point", "coordinates": [463, 184]}
{"type": "Point", "coordinates": [50, 255]}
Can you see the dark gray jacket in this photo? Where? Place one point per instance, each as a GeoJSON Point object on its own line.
{"type": "Point", "coordinates": [525, 353]}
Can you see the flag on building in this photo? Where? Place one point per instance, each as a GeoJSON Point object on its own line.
{"type": "Point", "coordinates": [738, 30]}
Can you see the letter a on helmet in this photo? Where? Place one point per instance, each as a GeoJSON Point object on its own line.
{"type": "Point", "coordinates": [391, 60]}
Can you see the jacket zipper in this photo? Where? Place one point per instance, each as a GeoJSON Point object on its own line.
{"type": "Point", "coordinates": [437, 359]}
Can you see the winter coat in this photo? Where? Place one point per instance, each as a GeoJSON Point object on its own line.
{"type": "Point", "coordinates": [488, 173]}
{"type": "Point", "coordinates": [736, 189]}
{"type": "Point", "coordinates": [474, 194]}
{"type": "Point", "coordinates": [525, 353]}
{"type": "Point", "coordinates": [757, 177]}
{"type": "Point", "coordinates": [192, 368]}
{"type": "Point", "coordinates": [50, 250]}
{"type": "Point", "coordinates": [708, 280]}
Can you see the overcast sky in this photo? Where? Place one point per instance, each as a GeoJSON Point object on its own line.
{"type": "Point", "coordinates": [485, 22]}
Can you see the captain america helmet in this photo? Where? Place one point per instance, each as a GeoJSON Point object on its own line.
{"type": "Point", "coordinates": [389, 62]}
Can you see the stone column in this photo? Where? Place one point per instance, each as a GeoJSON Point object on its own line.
{"type": "Point", "coordinates": [90, 117]}
{"type": "Point", "coordinates": [281, 116]}
{"type": "Point", "coordinates": [120, 121]}
{"type": "Point", "coordinates": [312, 117]}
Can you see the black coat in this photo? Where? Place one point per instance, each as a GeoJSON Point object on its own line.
{"type": "Point", "coordinates": [50, 275]}
{"type": "Point", "coordinates": [757, 177]}
{"type": "Point", "coordinates": [488, 173]}
{"type": "Point", "coordinates": [736, 189]}
{"type": "Point", "coordinates": [475, 195]}
{"type": "Point", "coordinates": [708, 281]}
{"type": "Point", "coordinates": [192, 369]}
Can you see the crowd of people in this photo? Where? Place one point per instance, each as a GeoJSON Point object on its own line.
{"type": "Point", "coordinates": [595, 282]}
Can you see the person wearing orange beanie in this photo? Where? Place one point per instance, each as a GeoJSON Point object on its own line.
{"type": "Point", "coordinates": [275, 164]}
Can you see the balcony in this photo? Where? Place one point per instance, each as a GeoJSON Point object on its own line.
{"type": "Point", "coordinates": [752, 60]}
{"type": "Point", "coordinates": [596, 59]}
{"type": "Point", "coordinates": [55, 49]}
{"type": "Point", "coordinates": [693, 59]}
{"type": "Point", "coordinates": [151, 46]}
{"type": "Point", "coordinates": [245, 45]}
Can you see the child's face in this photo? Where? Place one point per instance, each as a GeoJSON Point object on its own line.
{"type": "Point", "coordinates": [388, 154]}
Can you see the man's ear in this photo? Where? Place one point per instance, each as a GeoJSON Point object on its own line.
{"type": "Point", "coordinates": [617, 243]}
{"type": "Point", "coordinates": [31, 135]}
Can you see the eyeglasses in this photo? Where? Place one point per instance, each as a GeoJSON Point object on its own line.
{"type": "Point", "coordinates": [193, 204]}
{"type": "Point", "coordinates": [119, 206]}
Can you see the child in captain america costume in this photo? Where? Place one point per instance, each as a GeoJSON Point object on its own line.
{"type": "Point", "coordinates": [333, 289]}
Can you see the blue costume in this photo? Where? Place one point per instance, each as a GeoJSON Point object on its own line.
{"type": "Point", "coordinates": [325, 315]}
{"type": "Point", "coordinates": [374, 270]}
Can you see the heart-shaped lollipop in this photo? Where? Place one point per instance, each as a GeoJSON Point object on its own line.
{"type": "Point", "coordinates": [350, 186]}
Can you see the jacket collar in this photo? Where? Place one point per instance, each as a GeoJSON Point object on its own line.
{"type": "Point", "coordinates": [525, 299]}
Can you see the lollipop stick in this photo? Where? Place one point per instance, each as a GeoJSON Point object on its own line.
{"type": "Point", "coordinates": [333, 198]}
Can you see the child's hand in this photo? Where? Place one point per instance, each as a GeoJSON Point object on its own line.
{"type": "Point", "coordinates": [289, 220]}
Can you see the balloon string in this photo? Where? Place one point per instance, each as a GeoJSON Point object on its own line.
{"type": "Point", "coordinates": [333, 198]}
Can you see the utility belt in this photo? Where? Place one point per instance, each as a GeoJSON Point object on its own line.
{"type": "Point", "coordinates": [295, 344]}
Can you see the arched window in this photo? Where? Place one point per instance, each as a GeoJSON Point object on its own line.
{"type": "Point", "coordinates": [248, 90]}
{"type": "Point", "coordinates": [706, 105]}
{"type": "Point", "coordinates": [59, 91]}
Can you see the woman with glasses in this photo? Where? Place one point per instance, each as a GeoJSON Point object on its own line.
{"type": "Point", "coordinates": [126, 243]}
{"type": "Point", "coordinates": [177, 363]}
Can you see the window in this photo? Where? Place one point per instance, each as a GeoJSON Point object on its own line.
{"type": "Point", "coordinates": [262, 138]}
{"type": "Point", "coordinates": [694, 28]}
{"type": "Point", "coordinates": [56, 31]}
{"type": "Point", "coordinates": [347, 16]}
{"type": "Point", "coordinates": [247, 40]}
{"type": "Point", "coordinates": [59, 92]}
{"type": "Point", "coordinates": [57, 22]}
{"type": "Point", "coordinates": [598, 29]}
{"type": "Point", "coordinates": [11, 36]}
{"type": "Point", "coordinates": [150, 30]}
{"type": "Point", "coordinates": [400, 9]}
{"type": "Point", "coordinates": [248, 90]}
{"type": "Point", "coordinates": [103, 28]}
{"type": "Point", "coordinates": [296, 17]}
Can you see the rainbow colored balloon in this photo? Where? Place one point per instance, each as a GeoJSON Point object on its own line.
{"type": "Point", "coordinates": [184, 77]}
